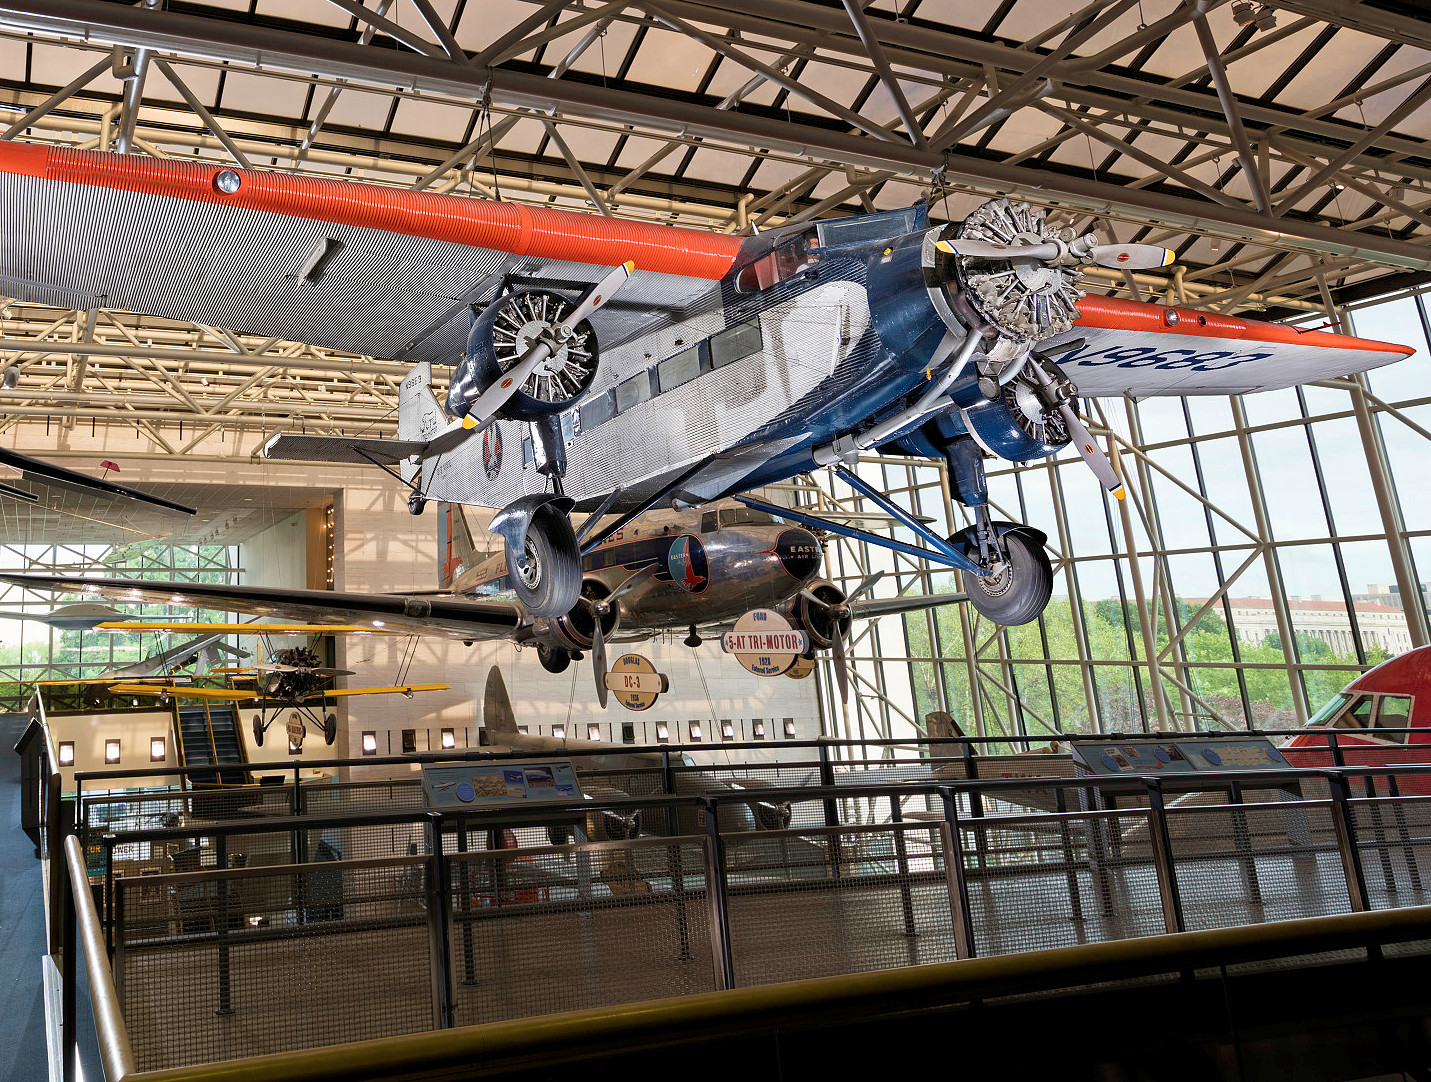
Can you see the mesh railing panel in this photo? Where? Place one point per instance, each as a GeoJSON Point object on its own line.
{"type": "Point", "coordinates": [1036, 882]}
{"type": "Point", "coordinates": [1394, 839]}
{"type": "Point", "coordinates": [581, 926]}
{"type": "Point", "coordinates": [1257, 862]}
{"type": "Point", "coordinates": [211, 967]}
{"type": "Point", "coordinates": [813, 904]}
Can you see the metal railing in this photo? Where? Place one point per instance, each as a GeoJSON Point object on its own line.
{"type": "Point", "coordinates": [432, 921]}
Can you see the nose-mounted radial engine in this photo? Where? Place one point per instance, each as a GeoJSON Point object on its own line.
{"type": "Point", "coordinates": [1011, 277]}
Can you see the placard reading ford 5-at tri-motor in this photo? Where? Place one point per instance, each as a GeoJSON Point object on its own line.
{"type": "Point", "coordinates": [508, 783]}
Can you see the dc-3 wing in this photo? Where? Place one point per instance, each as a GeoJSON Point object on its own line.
{"type": "Point", "coordinates": [453, 618]}
{"type": "Point", "coordinates": [391, 272]}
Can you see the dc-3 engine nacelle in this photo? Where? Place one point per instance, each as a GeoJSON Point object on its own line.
{"type": "Point", "coordinates": [824, 621]}
{"type": "Point", "coordinates": [560, 639]}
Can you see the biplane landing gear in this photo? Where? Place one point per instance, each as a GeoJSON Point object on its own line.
{"type": "Point", "coordinates": [258, 729]}
{"type": "Point", "coordinates": [330, 729]}
{"type": "Point", "coordinates": [416, 504]}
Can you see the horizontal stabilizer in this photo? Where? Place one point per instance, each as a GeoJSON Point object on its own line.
{"type": "Point", "coordinates": [343, 449]}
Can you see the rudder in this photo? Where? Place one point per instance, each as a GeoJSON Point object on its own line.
{"type": "Point", "coordinates": [455, 551]}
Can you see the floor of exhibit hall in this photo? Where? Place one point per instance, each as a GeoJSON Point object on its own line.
{"type": "Point", "coordinates": [354, 980]}
{"type": "Point", "coordinates": [23, 1056]}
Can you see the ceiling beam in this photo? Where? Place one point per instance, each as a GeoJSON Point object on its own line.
{"type": "Point", "coordinates": [261, 47]}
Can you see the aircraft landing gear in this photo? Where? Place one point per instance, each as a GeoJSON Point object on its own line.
{"type": "Point", "coordinates": [554, 661]}
{"type": "Point", "coordinates": [543, 557]}
{"type": "Point", "coordinates": [416, 504]}
{"type": "Point", "coordinates": [693, 640]}
{"type": "Point", "coordinates": [1020, 582]}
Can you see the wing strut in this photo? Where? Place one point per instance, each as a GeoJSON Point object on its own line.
{"type": "Point", "coordinates": [937, 550]}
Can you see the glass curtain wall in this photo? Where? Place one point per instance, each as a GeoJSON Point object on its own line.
{"type": "Point", "coordinates": [1272, 547]}
{"type": "Point", "coordinates": [32, 650]}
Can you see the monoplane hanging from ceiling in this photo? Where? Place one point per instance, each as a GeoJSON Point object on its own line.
{"type": "Point", "coordinates": [717, 365]}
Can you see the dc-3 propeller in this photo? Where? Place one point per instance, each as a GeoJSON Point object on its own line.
{"type": "Point", "coordinates": [601, 608]}
{"type": "Point", "coordinates": [838, 613]}
{"type": "Point", "coordinates": [548, 345]}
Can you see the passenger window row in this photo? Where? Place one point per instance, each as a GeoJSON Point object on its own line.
{"type": "Point", "coordinates": [736, 342]}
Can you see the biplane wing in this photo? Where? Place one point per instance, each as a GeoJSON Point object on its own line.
{"type": "Point", "coordinates": [406, 689]}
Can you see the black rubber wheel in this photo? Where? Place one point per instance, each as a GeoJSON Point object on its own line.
{"type": "Point", "coordinates": [1020, 587]}
{"type": "Point", "coordinates": [416, 505]}
{"type": "Point", "coordinates": [536, 572]}
{"type": "Point", "coordinates": [330, 728]}
{"type": "Point", "coordinates": [258, 730]}
{"type": "Point", "coordinates": [553, 660]}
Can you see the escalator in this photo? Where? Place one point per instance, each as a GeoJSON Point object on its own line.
{"type": "Point", "coordinates": [208, 735]}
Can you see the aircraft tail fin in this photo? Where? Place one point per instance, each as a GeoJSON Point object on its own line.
{"type": "Point", "coordinates": [420, 415]}
{"type": "Point", "coordinates": [497, 716]}
{"type": "Point", "coordinates": [455, 551]}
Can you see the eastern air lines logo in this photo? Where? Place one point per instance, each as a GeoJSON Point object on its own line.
{"type": "Point", "coordinates": [686, 560]}
{"type": "Point", "coordinates": [492, 453]}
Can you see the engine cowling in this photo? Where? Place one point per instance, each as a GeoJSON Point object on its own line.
{"type": "Point", "coordinates": [817, 620]}
{"type": "Point", "coordinates": [577, 628]}
{"type": "Point", "coordinates": [501, 336]}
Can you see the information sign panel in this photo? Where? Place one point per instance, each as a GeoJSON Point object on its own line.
{"type": "Point", "coordinates": [506, 783]}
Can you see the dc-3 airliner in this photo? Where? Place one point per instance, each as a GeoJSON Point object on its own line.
{"type": "Point", "coordinates": [605, 367]}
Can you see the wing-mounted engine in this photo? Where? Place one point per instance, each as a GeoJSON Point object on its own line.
{"type": "Point", "coordinates": [818, 610]}
{"type": "Point", "coordinates": [504, 333]}
{"type": "Point", "coordinates": [577, 629]}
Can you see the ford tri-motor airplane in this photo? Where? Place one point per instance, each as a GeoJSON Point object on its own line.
{"type": "Point", "coordinates": [666, 571]}
{"type": "Point", "coordinates": [613, 366]}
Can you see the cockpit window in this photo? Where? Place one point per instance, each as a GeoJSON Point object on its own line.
{"type": "Point", "coordinates": [744, 516]}
{"type": "Point", "coordinates": [1330, 710]}
{"type": "Point", "coordinates": [1393, 712]}
{"type": "Point", "coordinates": [785, 261]}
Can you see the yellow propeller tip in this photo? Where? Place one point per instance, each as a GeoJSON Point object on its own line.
{"type": "Point", "coordinates": [1118, 493]}
{"type": "Point", "coordinates": [468, 422]}
{"type": "Point", "coordinates": [1168, 256]}
{"type": "Point", "coordinates": [944, 246]}
{"type": "Point", "coordinates": [630, 265]}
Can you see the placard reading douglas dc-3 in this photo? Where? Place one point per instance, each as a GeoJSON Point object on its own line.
{"type": "Point", "coordinates": [489, 785]}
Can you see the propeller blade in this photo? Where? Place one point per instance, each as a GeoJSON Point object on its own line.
{"type": "Point", "coordinates": [598, 662]}
{"type": "Point", "coordinates": [842, 676]}
{"type": "Point", "coordinates": [481, 412]}
{"type": "Point", "coordinates": [635, 580]}
{"type": "Point", "coordinates": [599, 295]}
{"type": "Point", "coordinates": [1131, 256]}
{"type": "Point", "coordinates": [987, 249]}
{"type": "Point", "coordinates": [867, 584]}
{"type": "Point", "coordinates": [1092, 454]}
